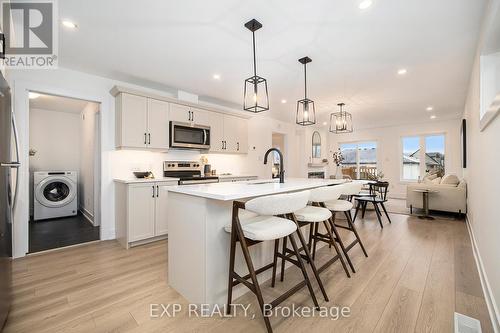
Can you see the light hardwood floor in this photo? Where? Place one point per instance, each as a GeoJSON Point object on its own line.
{"type": "Point", "coordinates": [417, 274]}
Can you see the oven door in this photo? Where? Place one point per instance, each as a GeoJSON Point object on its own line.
{"type": "Point", "coordinates": [183, 135]}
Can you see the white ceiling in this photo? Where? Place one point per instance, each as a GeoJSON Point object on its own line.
{"type": "Point", "coordinates": [355, 53]}
{"type": "Point", "coordinates": [58, 103]}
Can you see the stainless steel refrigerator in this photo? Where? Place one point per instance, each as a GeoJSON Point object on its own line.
{"type": "Point", "coordinates": [8, 165]}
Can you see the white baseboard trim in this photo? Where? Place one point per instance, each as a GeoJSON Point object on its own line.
{"type": "Point", "coordinates": [488, 294]}
{"type": "Point", "coordinates": [107, 234]}
{"type": "Point", "coordinates": [89, 216]}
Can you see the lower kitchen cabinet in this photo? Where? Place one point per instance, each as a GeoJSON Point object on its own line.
{"type": "Point", "coordinates": [141, 211]}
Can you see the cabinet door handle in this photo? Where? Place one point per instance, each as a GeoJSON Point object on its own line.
{"type": "Point", "coordinates": [190, 117]}
{"type": "Point", "coordinates": [145, 135]}
{"type": "Point", "coordinates": [157, 191]}
{"type": "Point", "coordinates": [153, 191]}
{"type": "Point", "coordinates": [149, 138]}
{"type": "Point", "coordinates": [237, 146]}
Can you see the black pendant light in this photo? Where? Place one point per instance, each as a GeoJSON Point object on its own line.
{"type": "Point", "coordinates": [306, 114]}
{"type": "Point", "coordinates": [256, 98]}
{"type": "Point", "coordinates": [341, 122]}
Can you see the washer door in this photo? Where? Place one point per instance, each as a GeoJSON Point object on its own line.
{"type": "Point", "coordinates": [55, 192]}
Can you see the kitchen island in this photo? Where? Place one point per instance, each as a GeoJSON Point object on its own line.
{"type": "Point", "coordinates": [198, 245]}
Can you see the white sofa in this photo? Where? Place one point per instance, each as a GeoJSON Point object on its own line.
{"type": "Point", "coordinates": [449, 198]}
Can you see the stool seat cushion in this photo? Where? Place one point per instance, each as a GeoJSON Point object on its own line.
{"type": "Point", "coordinates": [263, 227]}
{"type": "Point", "coordinates": [339, 205]}
{"type": "Point", "coordinates": [313, 214]}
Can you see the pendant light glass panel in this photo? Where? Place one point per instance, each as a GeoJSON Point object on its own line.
{"type": "Point", "coordinates": [255, 95]}
{"type": "Point", "coordinates": [306, 112]}
{"type": "Point", "coordinates": [341, 122]}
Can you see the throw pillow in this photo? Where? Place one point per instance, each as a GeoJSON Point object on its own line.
{"type": "Point", "coordinates": [450, 180]}
{"type": "Point", "coordinates": [436, 180]}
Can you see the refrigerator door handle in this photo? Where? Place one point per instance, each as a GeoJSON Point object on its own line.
{"type": "Point", "coordinates": [16, 139]}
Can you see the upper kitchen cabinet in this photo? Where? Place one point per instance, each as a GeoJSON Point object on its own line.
{"type": "Point", "coordinates": [187, 114]}
{"type": "Point", "coordinates": [228, 134]}
{"type": "Point", "coordinates": [235, 134]}
{"type": "Point", "coordinates": [157, 124]}
{"type": "Point", "coordinates": [141, 122]}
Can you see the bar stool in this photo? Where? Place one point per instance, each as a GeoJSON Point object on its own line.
{"type": "Point", "coordinates": [313, 216]}
{"type": "Point", "coordinates": [348, 190]}
{"type": "Point", "coordinates": [249, 229]}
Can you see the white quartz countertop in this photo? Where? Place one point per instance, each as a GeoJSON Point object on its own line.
{"type": "Point", "coordinates": [253, 188]}
{"type": "Point", "coordinates": [145, 180]}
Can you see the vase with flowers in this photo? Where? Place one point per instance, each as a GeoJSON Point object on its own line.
{"type": "Point", "coordinates": [338, 158]}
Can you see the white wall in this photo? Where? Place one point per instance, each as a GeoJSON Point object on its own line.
{"type": "Point", "coordinates": [483, 179]}
{"type": "Point", "coordinates": [389, 150]}
{"type": "Point", "coordinates": [114, 163]}
{"type": "Point", "coordinates": [55, 136]}
{"type": "Point", "coordinates": [88, 147]}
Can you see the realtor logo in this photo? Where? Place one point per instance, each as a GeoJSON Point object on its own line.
{"type": "Point", "coordinates": [30, 30]}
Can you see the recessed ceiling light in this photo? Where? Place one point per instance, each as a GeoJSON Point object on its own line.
{"type": "Point", "coordinates": [325, 123]}
{"type": "Point", "coordinates": [365, 4]}
{"type": "Point", "coordinates": [69, 24]}
{"type": "Point", "coordinates": [429, 108]}
{"type": "Point", "coordinates": [433, 117]}
{"type": "Point", "coordinates": [283, 101]}
{"type": "Point", "coordinates": [216, 76]}
{"type": "Point", "coordinates": [402, 71]}
{"type": "Point", "coordinates": [33, 95]}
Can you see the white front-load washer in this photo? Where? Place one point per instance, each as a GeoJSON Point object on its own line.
{"type": "Point", "coordinates": [55, 194]}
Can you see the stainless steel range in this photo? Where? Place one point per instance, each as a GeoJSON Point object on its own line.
{"type": "Point", "coordinates": [188, 172]}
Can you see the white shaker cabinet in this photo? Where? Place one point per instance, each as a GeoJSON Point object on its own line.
{"type": "Point", "coordinates": [228, 134]}
{"type": "Point", "coordinates": [216, 132]}
{"type": "Point", "coordinates": [141, 122]}
{"type": "Point", "coordinates": [187, 114]}
{"type": "Point", "coordinates": [141, 211]}
{"type": "Point", "coordinates": [131, 121]}
{"type": "Point", "coordinates": [158, 124]}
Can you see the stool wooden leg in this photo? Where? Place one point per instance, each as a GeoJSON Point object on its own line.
{"type": "Point", "coordinates": [253, 275]}
{"type": "Point", "coordinates": [275, 261]}
{"type": "Point", "coordinates": [316, 226]}
{"type": "Point", "coordinates": [311, 262]}
{"type": "Point", "coordinates": [303, 269]}
{"type": "Point", "coordinates": [282, 275]}
{"type": "Point", "coordinates": [231, 269]}
{"type": "Point", "coordinates": [334, 230]}
{"type": "Point", "coordinates": [364, 209]}
{"type": "Point", "coordinates": [334, 244]}
{"type": "Point", "coordinates": [353, 228]}
{"type": "Point", "coordinates": [357, 209]}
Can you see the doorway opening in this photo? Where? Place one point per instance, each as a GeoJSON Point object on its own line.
{"type": "Point", "coordinates": [278, 141]}
{"type": "Point", "coordinates": [64, 168]}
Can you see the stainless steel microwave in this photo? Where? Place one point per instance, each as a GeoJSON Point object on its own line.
{"type": "Point", "coordinates": [187, 136]}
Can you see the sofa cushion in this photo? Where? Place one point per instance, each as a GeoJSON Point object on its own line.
{"type": "Point", "coordinates": [450, 180]}
{"type": "Point", "coordinates": [430, 177]}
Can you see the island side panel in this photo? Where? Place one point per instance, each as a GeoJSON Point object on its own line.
{"type": "Point", "coordinates": [186, 246]}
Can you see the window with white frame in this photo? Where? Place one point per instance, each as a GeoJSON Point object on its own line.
{"type": "Point", "coordinates": [360, 159]}
{"type": "Point", "coordinates": [427, 148]}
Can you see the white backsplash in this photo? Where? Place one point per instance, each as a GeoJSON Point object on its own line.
{"type": "Point", "coordinates": [124, 162]}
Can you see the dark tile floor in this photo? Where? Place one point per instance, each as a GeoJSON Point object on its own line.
{"type": "Point", "coordinates": [64, 231]}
